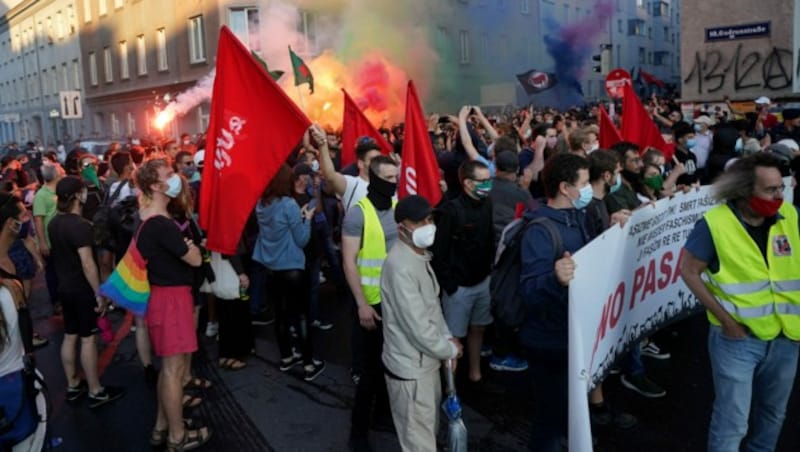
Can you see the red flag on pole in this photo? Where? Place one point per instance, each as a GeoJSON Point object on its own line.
{"type": "Point", "coordinates": [609, 135]}
{"type": "Point", "coordinates": [354, 126]}
{"type": "Point", "coordinates": [639, 128]}
{"type": "Point", "coordinates": [419, 174]}
{"type": "Point", "coordinates": [651, 79]}
{"type": "Point", "coordinates": [252, 128]}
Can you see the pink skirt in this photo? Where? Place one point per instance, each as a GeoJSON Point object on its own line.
{"type": "Point", "coordinates": [170, 320]}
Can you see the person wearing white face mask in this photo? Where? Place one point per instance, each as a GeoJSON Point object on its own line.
{"type": "Point", "coordinates": [416, 336]}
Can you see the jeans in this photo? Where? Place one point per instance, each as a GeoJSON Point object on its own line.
{"type": "Point", "coordinates": [632, 361]}
{"type": "Point", "coordinates": [257, 290]}
{"type": "Point", "coordinates": [746, 370]}
{"type": "Point", "coordinates": [550, 399]}
{"type": "Point", "coordinates": [372, 398]}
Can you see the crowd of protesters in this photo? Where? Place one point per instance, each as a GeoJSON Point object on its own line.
{"type": "Point", "coordinates": [417, 276]}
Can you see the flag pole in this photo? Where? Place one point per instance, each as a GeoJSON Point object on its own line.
{"type": "Point", "coordinates": [300, 97]}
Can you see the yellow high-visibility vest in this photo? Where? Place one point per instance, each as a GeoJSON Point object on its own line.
{"type": "Point", "coordinates": [372, 254]}
{"type": "Point", "coordinates": [764, 296]}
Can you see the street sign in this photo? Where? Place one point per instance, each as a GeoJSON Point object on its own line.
{"type": "Point", "coordinates": [70, 102]}
{"type": "Point", "coordinates": [616, 81]}
{"type": "Point", "coordinates": [54, 113]}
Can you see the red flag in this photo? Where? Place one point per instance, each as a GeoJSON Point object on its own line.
{"type": "Point", "coordinates": [252, 129]}
{"type": "Point", "coordinates": [609, 135]}
{"type": "Point", "coordinates": [420, 172]}
{"type": "Point", "coordinates": [639, 128]}
{"type": "Point", "coordinates": [651, 79]}
{"type": "Point", "coordinates": [354, 126]}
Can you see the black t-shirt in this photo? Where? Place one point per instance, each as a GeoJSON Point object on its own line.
{"type": "Point", "coordinates": [161, 244]}
{"type": "Point", "coordinates": [597, 218]}
{"type": "Point", "coordinates": [94, 197]}
{"type": "Point", "coordinates": [68, 233]}
{"type": "Point", "coordinates": [689, 160]}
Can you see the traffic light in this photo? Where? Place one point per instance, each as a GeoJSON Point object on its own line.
{"type": "Point", "coordinates": [603, 59]}
{"type": "Point", "coordinates": [598, 67]}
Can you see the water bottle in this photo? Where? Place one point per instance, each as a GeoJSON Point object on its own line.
{"type": "Point", "coordinates": [243, 295]}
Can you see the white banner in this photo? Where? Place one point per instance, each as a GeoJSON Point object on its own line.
{"type": "Point", "coordinates": [627, 286]}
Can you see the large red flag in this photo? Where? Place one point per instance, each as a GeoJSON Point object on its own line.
{"type": "Point", "coordinates": [419, 174]}
{"type": "Point", "coordinates": [252, 129]}
{"type": "Point", "coordinates": [354, 126]}
{"type": "Point", "coordinates": [639, 128]}
{"type": "Point", "coordinates": [609, 135]}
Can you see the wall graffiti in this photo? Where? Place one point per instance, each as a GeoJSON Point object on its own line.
{"type": "Point", "coordinates": [713, 71]}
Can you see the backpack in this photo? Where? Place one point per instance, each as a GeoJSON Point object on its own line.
{"type": "Point", "coordinates": [508, 306]}
{"type": "Point", "coordinates": [100, 220]}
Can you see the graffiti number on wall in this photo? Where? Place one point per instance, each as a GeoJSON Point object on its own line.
{"type": "Point", "coordinates": [714, 71]}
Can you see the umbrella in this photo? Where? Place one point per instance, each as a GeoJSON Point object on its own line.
{"type": "Point", "coordinates": [456, 430]}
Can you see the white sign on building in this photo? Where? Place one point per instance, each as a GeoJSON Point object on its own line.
{"type": "Point", "coordinates": [70, 102]}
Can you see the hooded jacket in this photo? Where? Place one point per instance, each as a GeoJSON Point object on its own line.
{"type": "Point", "coordinates": [545, 324]}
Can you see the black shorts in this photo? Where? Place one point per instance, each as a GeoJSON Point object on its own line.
{"type": "Point", "coordinates": [79, 315]}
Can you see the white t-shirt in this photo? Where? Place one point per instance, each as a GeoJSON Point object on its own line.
{"type": "Point", "coordinates": [12, 351]}
{"type": "Point", "coordinates": [702, 148]}
{"type": "Point", "coordinates": [355, 190]}
{"type": "Point", "coordinates": [125, 192]}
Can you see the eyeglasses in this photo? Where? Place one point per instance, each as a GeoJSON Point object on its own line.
{"type": "Point", "coordinates": [480, 181]}
{"type": "Point", "coordinates": [188, 163]}
{"type": "Point", "coordinates": [772, 191]}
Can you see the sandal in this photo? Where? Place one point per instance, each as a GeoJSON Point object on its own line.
{"type": "Point", "coordinates": [196, 383]}
{"type": "Point", "coordinates": [232, 364]}
{"type": "Point", "coordinates": [159, 437]}
{"type": "Point", "coordinates": [192, 439]}
{"type": "Point", "coordinates": [190, 401]}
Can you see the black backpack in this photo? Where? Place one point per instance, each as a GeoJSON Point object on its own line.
{"type": "Point", "coordinates": [508, 306]}
{"type": "Point", "coordinates": [100, 220]}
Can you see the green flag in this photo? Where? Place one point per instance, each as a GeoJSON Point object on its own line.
{"type": "Point", "coordinates": [302, 74]}
{"type": "Point", "coordinates": [274, 74]}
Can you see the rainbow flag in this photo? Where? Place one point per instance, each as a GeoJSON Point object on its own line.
{"type": "Point", "coordinates": [128, 286]}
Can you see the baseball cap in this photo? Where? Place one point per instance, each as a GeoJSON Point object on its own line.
{"type": "Point", "coordinates": [704, 119]}
{"type": "Point", "coordinates": [763, 100]}
{"type": "Point", "coordinates": [414, 208]}
{"type": "Point", "coordinates": [791, 113]}
{"type": "Point", "coordinates": [69, 186]}
{"type": "Point", "coordinates": [199, 158]}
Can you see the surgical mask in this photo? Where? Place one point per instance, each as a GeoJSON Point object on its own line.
{"type": "Point", "coordinates": [662, 168]}
{"type": "Point", "coordinates": [655, 182]}
{"type": "Point", "coordinates": [594, 147]}
{"type": "Point", "coordinates": [424, 236]}
{"type": "Point", "coordinates": [189, 171]}
{"type": "Point", "coordinates": [739, 145]}
{"type": "Point", "coordinates": [617, 184]}
{"type": "Point", "coordinates": [551, 141]}
{"type": "Point", "coordinates": [698, 128]}
{"type": "Point", "coordinates": [691, 142]}
{"type": "Point", "coordinates": [174, 185]}
{"type": "Point", "coordinates": [584, 197]}
{"type": "Point", "coordinates": [186, 142]}
{"type": "Point", "coordinates": [482, 190]}
{"type": "Point", "coordinates": [315, 166]}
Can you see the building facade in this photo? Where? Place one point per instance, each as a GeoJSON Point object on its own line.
{"type": "Point", "coordinates": [742, 53]}
{"type": "Point", "coordinates": [39, 57]}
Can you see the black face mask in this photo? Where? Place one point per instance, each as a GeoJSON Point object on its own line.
{"type": "Point", "coordinates": [632, 177]}
{"type": "Point", "coordinates": [380, 191]}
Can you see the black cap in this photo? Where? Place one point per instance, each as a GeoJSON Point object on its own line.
{"type": "Point", "coordinates": [507, 162]}
{"type": "Point", "coordinates": [791, 113]}
{"type": "Point", "coordinates": [301, 169]}
{"type": "Point", "coordinates": [69, 186]}
{"type": "Point", "coordinates": [414, 208]}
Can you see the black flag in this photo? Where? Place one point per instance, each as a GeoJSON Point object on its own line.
{"type": "Point", "coordinates": [537, 81]}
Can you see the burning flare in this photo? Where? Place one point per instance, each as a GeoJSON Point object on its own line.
{"type": "Point", "coordinates": [163, 118]}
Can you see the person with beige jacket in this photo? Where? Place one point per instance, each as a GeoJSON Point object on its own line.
{"type": "Point", "coordinates": [416, 337]}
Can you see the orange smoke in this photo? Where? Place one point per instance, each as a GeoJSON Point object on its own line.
{"type": "Point", "coordinates": [375, 84]}
{"type": "Point", "coordinates": [163, 118]}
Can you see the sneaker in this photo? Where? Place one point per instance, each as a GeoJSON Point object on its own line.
{"type": "Point", "coordinates": [320, 325]}
{"type": "Point", "coordinates": [652, 350]}
{"type": "Point", "coordinates": [642, 385]}
{"type": "Point", "coordinates": [133, 328]}
{"type": "Point", "coordinates": [75, 392]}
{"type": "Point", "coordinates": [212, 328]}
{"type": "Point", "coordinates": [106, 395]}
{"type": "Point", "coordinates": [604, 416]}
{"type": "Point", "coordinates": [508, 363]}
{"type": "Point", "coordinates": [486, 351]}
{"type": "Point", "coordinates": [288, 363]}
{"type": "Point", "coordinates": [322, 278]}
{"type": "Point", "coordinates": [39, 341]}
{"type": "Point", "coordinates": [355, 376]}
{"type": "Point", "coordinates": [262, 319]}
{"type": "Point", "coordinates": [314, 369]}
{"type": "Point", "coordinates": [293, 332]}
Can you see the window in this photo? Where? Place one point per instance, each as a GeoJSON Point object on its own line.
{"type": "Point", "coordinates": [141, 56]}
{"type": "Point", "coordinates": [45, 82]}
{"type": "Point", "coordinates": [197, 40]}
{"type": "Point", "coordinates": [307, 27]}
{"type": "Point", "coordinates": [161, 49]}
{"type": "Point", "coordinates": [619, 25]}
{"type": "Point", "coordinates": [642, 55]}
{"type": "Point", "coordinates": [619, 55]}
{"type": "Point", "coordinates": [76, 73]}
{"type": "Point", "coordinates": [660, 9]}
{"type": "Point", "coordinates": [87, 10]}
{"type": "Point", "coordinates": [577, 13]}
{"type": "Point", "coordinates": [114, 124]}
{"type": "Point", "coordinates": [244, 22]}
{"type": "Point", "coordinates": [60, 25]}
{"type": "Point", "coordinates": [636, 27]}
{"type": "Point", "coordinates": [444, 38]}
{"type": "Point", "coordinates": [566, 13]}
{"type": "Point", "coordinates": [649, 57]}
{"type": "Point", "coordinates": [485, 47]}
{"type": "Point", "coordinates": [107, 64]}
{"type": "Point", "coordinates": [102, 7]}
{"type": "Point", "coordinates": [54, 80]}
{"type": "Point", "coordinates": [661, 58]}
{"type": "Point", "coordinates": [650, 32]}
{"type": "Point", "coordinates": [119, 4]}
{"type": "Point", "coordinates": [524, 6]}
{"type": "Point", "coordinates": [92, 69]}
{"type": "Point", "coordinates": [131, 123]}
{"type": "Point", "coordinates": [640, 3]}
{"type": "Point", "coordinates": [463, 46]}
{"type": "Point", "coordinates": [124, 72]}
{"type": "Point", "coordinates": [64, 76]}
{"type": "Point", "coordinates": [673, 37]}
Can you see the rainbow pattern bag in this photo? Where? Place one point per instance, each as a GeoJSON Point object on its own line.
{"type": "Point", "coordinates": [128, 286]}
